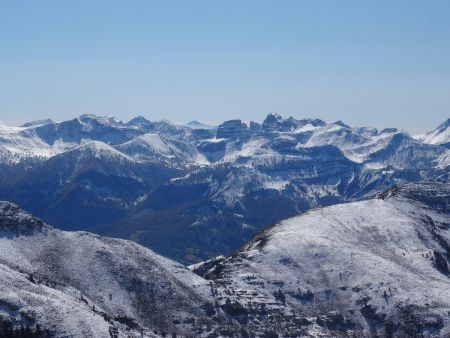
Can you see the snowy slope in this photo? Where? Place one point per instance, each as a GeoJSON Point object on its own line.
{"type": "Point", "coordinates": [99, 150]}
{"type": "Point", "coordinates": [19, 143]}
{"type": "Point", "coordinates": [84, 285]}
{"type": "Point", "coordinates": [438, 136]}
{"type": "Point", "coordinates": [153, 147]}
{"type": "Point", "coordinates": [379, 266]}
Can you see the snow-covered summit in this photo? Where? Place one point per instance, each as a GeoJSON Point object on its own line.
{"type": "Point", "coordinates": [37, 123]}
{"type": "Point", "coordinates": [138, 122]}
{"type": "Point", "coordinates": [375, 267]}
{"type": "Point", "coordinates": [198, 125]}
{"type": "Point", "coordinates": [98, 149]}
{"type": "Point", "coordinates": [438, 136]}
{"type": "Point", "coordinates": [107, 120]}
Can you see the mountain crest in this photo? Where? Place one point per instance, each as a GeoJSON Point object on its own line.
{"type": "Point", "coordinates": [37, 123]}
{"type": "Point", "coordinates": [138, 122]}
{"type": "Point", "coordinates": [231, 129]}
{"type": "Point", "coordinates": [439, 135]}
{"type": "Point", "coordinates": [15, 220]}
{"type": "Point", "coordinates": [107, 120]}
{"type": "Point", "coordinates": [98, 149]}
{"type": "Point", "coordinates": [271, 119]}
{"type": "Point", "coordinates": [427, 193]}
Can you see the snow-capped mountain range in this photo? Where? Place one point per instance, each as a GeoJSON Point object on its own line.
{"type": "Point", "coordinates": [196, 191]}
{"type": "Point", "coordinates": [45, 138]}
{"type": "Point", "coordinates": [378, 267]}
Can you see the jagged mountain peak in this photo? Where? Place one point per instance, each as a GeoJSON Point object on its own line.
{"type": "Point", "coordinates": [271, 120]}
{"type": "Point", "coordinates": [342, 124]}
{"type": "Point", "coordinates": [198, 125]}
{"type": "Point", "coordinates": [103, 119]}
{"type": "Point", "coordinates": [138, 122]}
{"type": "Point", "coordinates": [37, 123]}
{"type": "Point", "coordinates": [439, 135]}
{"type": "Point", "coordinates": [16, 221]}
{"type": "Point", "coordinates": [232, 129]}
{"type": "Point", "coordinates": [273, 117]}
{"type": "Point", "coordinates": [276, 123]}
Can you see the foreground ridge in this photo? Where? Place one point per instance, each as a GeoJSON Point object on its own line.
{"type": "Point", "coordinates": [373, 267]}
{"type": "Point", "coordinates": [376, 267]}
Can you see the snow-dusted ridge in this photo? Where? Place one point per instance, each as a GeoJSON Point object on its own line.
{"type": "Point", "coordinates": [438, 136]}
{"type": "Point", "coordinates": [80, 284]}
{"type": "Point", "coordinates": [98, 149]}
{"type": "Point", "coordinates": [376, 267]}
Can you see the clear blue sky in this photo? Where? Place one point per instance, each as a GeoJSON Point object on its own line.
{"type": "Point", "coordinates": [374, 62]}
